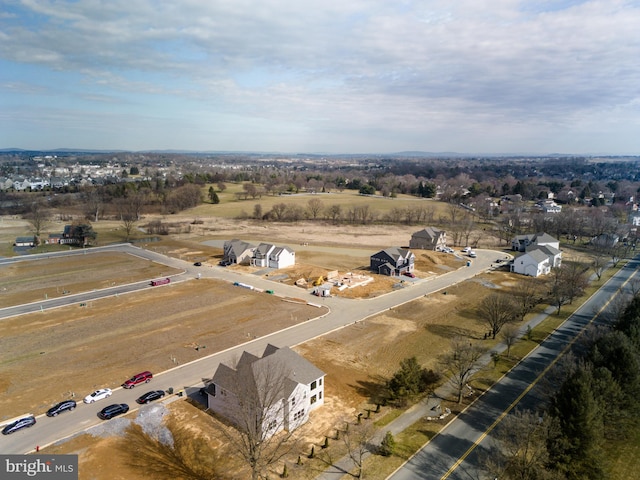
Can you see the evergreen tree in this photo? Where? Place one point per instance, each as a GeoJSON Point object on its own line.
{"type": "Point", "coordinates": [579, 410]}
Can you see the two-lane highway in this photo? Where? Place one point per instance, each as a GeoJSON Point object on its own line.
{"type": "Point", "coordinates": [453, 453]}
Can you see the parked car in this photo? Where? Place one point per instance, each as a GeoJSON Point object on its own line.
{"type": "Point", "coordinates": [98, 395]}
{"type": "Point", "coordinates": [447, 250]}
{"type": "Point", "coordinates": [19, 425]}
{"type": "Point", "coordinates": [150, 396]}
{"type": "Point", "coordinates": [409, 274]}
{"type": "Point", "coordinates": [113, 411]}
{"type": "Point", "coordinates": [224, 263]}
{"type": "Point", "coordinates": [137, 379]}
{"type": "Point", "coordinates": [197, 264]}
{"type": "Point", "coordinates": [472, 254]}
{"type": "Point", "coordinates": [61, 407]}
{"type": "Point", "coordinates": [466, 249]}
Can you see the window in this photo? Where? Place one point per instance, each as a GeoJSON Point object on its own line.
{"type": "Point", "coordinates": [320, 382]}
{"type": "Point", "coordinates": [293, 402]}
{"type": "Point", "coordinates": [314, 384]}
{"type": "Point", "coordinates": [319, 395]}
{"type": "Point", "coordinates": [272, 425]}
{"type": "Point", "coordinates": [298, 415]}
{"type": "Point", "coordinates": [314, 399]}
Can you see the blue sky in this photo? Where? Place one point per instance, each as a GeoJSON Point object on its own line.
{"type": "Point", "coordinates": [338, 76]}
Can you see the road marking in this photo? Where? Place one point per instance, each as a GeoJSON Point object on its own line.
{"type": "Point", "coordinates": [528, 389]}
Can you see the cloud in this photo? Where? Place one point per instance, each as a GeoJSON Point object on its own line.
{"type": "Point", "coordinates": [414, 69]}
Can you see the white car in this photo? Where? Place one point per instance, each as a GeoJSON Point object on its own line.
{"type": "Point", "coordinates": [472, 254]}
{"type": "Point", "coordinates": [98, 395]}
{"type": "Point", "coordinates": [466, 249]}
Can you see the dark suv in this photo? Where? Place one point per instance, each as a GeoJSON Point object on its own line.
{"type": "Point", "coordinates": [113, 411]}
{"type": "Point", "coordinates": [144, 377]}
{"type": "Point", "coordinates": [19, 425]}
{"type": "Point", "coordinates": [61, 407]}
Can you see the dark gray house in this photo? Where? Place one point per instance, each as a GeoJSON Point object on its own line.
{"type": "Point", "coordinates": [392, 261]}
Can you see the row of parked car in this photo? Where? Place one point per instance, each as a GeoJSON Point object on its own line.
{"type": "Point", "coordinates": [100, 394]}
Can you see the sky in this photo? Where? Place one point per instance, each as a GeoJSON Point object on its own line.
{"type": "Point", "coordinates": [332, 76]}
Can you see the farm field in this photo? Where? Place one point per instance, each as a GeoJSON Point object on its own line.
{"type": "Point", "coordinates": [91, 346]}
{"type": "Point", "coordinates": [31, 281]}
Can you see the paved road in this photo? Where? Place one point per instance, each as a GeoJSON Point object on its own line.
{"type": "Point", "coordinates": [334, 313]}
{"type": "Point", "coordinates": [453, 454]}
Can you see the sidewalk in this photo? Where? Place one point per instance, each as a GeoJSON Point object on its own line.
{"type": "Point", "coordinates": [428, 407]}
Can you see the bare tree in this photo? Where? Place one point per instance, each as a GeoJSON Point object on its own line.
{"type": "Point", "coordinates": [278, 211]}
{"type": "Point", "coordinates": [496, 310]}
{"type": "Point", "coordinates": [127, 215]}
{"type": "Point", "coordinates": [526, 296]}
{"type": "Point", "coordinates": [314, 207]}
{"type": "Point", "coordinates": [92, 201]}
{"type": "Point", "coordinates": [521, 447]}
{"type": "Point", "coordinates": [260, 412]}
{"type": "Point", "coordinates": [461, 363]}
{"type": "Point", "coordinates": [357, 439]}
{"type": "Point", "coordinates": [598, 264]}
{"type": "Point", "coordinates": [334, 212]}
{"type": "Point", "coordinates": [509, 335]}
{"type": "Point", "coordinates": [38, 217]}
{"type": "Point", "coordinates": [567, 282]}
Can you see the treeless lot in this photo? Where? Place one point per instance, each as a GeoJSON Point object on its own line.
{"type": "Point", "coordinates": [91, 346]}
{"type": "Point", "coordinates": [31, 281]}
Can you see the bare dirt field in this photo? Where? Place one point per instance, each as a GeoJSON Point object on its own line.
{"type": "Point", "coordinates": [91, 346]}
{"type": "Point", "coordinates": [30, 281]}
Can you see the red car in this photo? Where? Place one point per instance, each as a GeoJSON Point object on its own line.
{"type": "Point", "coordinates": [409, 274]}
{"type": "Point", "coordinates": [144, 377]}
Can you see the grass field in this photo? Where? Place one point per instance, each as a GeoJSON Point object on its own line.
{"type": "Point", "coordinates": [231, 207]}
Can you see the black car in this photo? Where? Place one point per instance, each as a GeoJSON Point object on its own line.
{"type": "Point", "coordinates": [113, 410]}
{"type": "Point", "coordinates": [150, 396]}
{"type": "Point", "coordinates": [197, 264]}
{"type": "Point", "coordinates": [61, 407]}
{"type": "Point", "coordinates": [19, 425]}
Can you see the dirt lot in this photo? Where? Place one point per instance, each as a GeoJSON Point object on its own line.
{"type": "Point", "coordinates": [31, 281]}
{"type": "Point", "coordinates": [100, 337]}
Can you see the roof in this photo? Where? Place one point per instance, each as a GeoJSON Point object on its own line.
{"type": "Point", "coordinates": [428, 232]}
{"type": "Point", "coordinates": [538, 255]}
{"type": "Point", "coordinates": [253, 374]}
{"type": "Point", "coordinates": [543, 238]}
{"type": "Point", "coordinates": [395, 252]}
{"type": "Point", "coordinates": [547, 250]}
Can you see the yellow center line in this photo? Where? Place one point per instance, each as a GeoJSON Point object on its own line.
{"type": "Point", "coordinates": [528, 389]}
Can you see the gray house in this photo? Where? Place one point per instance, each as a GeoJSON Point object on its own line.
{"type": "Point", "coordinates": [521, 243]}
{"type": "Point", "coordinates": [270, 393]}
{"type": "Point", "coordinates": [392, 261]}
{"type": "Point", "coordinates": [429, 238]}
{"type": "Point", "coordinates": [238, 251]}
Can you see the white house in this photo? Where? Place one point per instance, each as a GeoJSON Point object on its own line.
{"type": "Point", "coordinates": [281, 257]}
{"type": "Point", "coordinates": [271, 393]}
{"type": "Point", "coordinates": [272, 256]}
{"type": "Point", "coordinates": [533, 263]}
